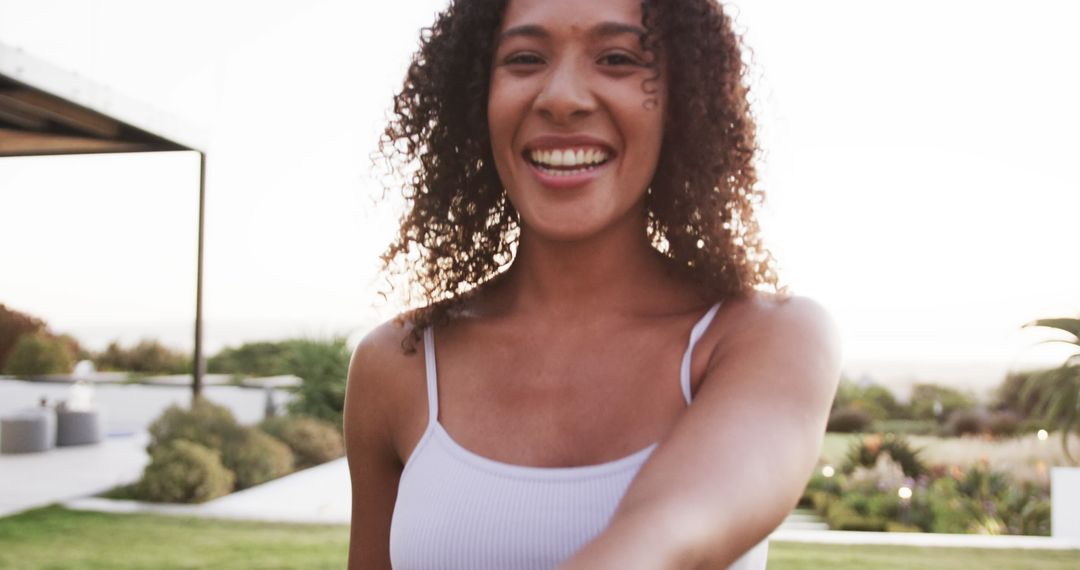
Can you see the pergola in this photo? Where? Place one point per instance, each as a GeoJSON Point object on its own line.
{"type": "Point", "coordinates": [45, 110]}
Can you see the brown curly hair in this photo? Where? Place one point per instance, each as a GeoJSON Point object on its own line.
{"type": "Point", "coordinates": [460, 230]}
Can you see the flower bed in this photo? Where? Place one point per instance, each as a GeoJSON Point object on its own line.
{"type": "Point", "coordinates": [884, 485]}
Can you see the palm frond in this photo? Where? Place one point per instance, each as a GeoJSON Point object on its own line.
{"type": "Point", "coordinates": [1066, 429]}
{"type": "Point", "coordinates": [1071, 326]}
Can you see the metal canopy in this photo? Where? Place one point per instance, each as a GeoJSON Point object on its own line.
{"type": "Point", "coordinates": [45, 110]}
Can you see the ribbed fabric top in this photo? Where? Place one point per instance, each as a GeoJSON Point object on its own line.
{"type": "Point", "coordinates": [457, 510]}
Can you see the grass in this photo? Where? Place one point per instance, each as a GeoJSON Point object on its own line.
{"type": "Point", "coordinates": [799, 556]}
{"type": "Point", "coordinates": [55, 538]}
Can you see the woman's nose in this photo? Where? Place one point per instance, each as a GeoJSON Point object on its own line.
{"type": "Point", "coordinates": [566, 93]}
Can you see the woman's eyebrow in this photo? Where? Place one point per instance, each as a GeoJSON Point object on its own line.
{"type": "Point", "coordinates": [604, 30]}
{"type": "Point", "coordinates": [609, 29]}
{"type": "Point", "coordinates": [528, 30]}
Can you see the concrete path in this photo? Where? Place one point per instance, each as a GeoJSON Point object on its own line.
{"type": "Point", "coordinates": [317, 495]}
{"type": "Point", "coordinates": [34, 480]}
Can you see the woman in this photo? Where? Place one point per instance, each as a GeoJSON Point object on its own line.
{"type": "Point", "coordinates": [582, 238]}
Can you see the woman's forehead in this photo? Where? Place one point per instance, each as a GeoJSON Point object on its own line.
{"type": "Point", "coordinates": [575, 16]}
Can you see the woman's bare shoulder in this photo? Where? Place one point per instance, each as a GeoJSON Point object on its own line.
{"type": "Point", "coordinates": [763, 308]}
{"type": "Point", "coordinates": [382, 350]}
{"type": "Point", "coordinates": [386, 381]}
{"type": "Point", "coordinates": [757, 319]}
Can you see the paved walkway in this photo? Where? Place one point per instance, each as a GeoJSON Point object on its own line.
{"type": "Point", "coordinates": [317, 495]}
{"type": "Point", "coordinates": [34, 480]}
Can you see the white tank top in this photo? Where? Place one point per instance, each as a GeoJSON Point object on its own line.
{"type": "Point", "coordinates": [457, 510]}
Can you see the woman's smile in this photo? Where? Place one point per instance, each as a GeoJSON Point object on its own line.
{"type": "Point", "coordinates": [565, 162]}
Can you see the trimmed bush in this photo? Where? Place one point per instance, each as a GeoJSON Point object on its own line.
{"type": "Point", "coordinates": [840, 516]}
{"type": "Point", "coordinates": [255, 457]}
{"type": "Point", "coordinates": [964, 422]}
{"type": "Point", "coordinates": [148, 356]}
{"type": "Point", "coordinates": [1003, 424]}
{"type": "Point", "coordinates": [848, 420]}
{"type": "Point", "coordinates": [37, 354]}
{"type": "Point", "coordinates": [892, 526]}
{"type": "Point", "coordinates": [312, 441]}
{"type": "Point", "coordinates": [205, 423]}
{"type": "Point", "coordinates": [925, 396]}
{"type": "Point", "coordinates": [875, 400]}
{"type": "Point", "coordinates": [906, 427]}
{"type": "Point", "coordinates": [182, 471]}
{"type": "Point", "coordinates": [252, 456]}
{"type": "Point", "coordinates": [324, 366]}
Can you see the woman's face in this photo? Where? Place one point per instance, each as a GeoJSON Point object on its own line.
{"type": "Point", "coordinates": [576, 119]}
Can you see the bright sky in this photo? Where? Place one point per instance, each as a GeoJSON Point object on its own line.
{"type": "Point", "coordinates": [921, 168]}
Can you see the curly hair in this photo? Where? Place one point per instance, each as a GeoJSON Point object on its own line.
{"type": "Point", "coordinates": [460, 230]}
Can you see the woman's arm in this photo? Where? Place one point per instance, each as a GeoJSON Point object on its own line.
{"type": "Point", "coordinates": [373, 462]}
{"type": "Point", "coordinates": [736, 463]}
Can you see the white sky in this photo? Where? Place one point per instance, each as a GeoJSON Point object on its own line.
{"type": "Point", "coordinates": [921, 168]}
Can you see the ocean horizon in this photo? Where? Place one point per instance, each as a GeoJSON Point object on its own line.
{"type": "Point", "coordinates": [896, 373]}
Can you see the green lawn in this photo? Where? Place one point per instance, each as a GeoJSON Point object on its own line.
{"type": "Point", "coordinates": [55, 538]}
{"type": "Point", "coordinates": [798, 556]}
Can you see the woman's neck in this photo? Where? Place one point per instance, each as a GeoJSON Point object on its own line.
{"type": "Point", "coordinates": [607, 273]}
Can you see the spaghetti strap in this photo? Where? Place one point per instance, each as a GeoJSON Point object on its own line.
{"type": "Point", "coordinates": [695, 335]}
{"type": "Point", "coordinates": [432, 379]}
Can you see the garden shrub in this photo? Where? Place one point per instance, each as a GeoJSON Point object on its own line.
{"type": "Point", "coordinates": [923, 397]}
{"type": "Point", "coordinates": [252, 456]}
{"type": "Point", "coordinates": [848, 420]}
{"type": "Point", "coordinates": [906, 427]}
{"type": "Point", "coordinates": [1003, 424]}
{"type": "Point", "coordinates": [148, 356]}
{"type": "Point", "coordinates": [840, 516]}
{"type": "Point", "coordinates": [251, 359]}
{"type": "Point", "coordinates": [865, 453]}
{"type": "Point", "coordinates": [324, 366]}
{"type": "Point", "coordinates": [182, 471]}
{"type": "Point", "coordinates": [875, 400]}
{"type": "Point", "coordinates": [38, 354]}
{"type": "Point", "coordinates": [964, 422]}
{"type": "Point", "coordinates": [205, 423]}
{"type": "Point", "coordinates": [312, 441]}
{"type": "Point", "coordinates": [255, 457]}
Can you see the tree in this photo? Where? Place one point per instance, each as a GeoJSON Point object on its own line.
{"type": "Point", "coordinates": [37, 354]}
{"type": "Point", "coordinates": [14, 324]}
{"type": "Point", "coordinates": [1055, 393]}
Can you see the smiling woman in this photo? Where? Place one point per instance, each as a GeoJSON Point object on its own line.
{"type": "Point", "coordinates": [613, 387]}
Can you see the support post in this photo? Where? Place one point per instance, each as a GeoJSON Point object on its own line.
{"type": "Point", "coordinates": [198, 361]}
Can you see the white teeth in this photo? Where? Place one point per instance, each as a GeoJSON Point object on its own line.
{"type": "Point", "coordinates": [569, 157]}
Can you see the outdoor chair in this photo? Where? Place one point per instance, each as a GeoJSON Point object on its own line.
{"type": "Point", "coordinates": [28, 431]}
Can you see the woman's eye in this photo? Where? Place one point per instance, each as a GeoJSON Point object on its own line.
{"type": "Point", "coordinates": [618, 59]}
{"type": "Point", "coordinates": [523, 59]}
